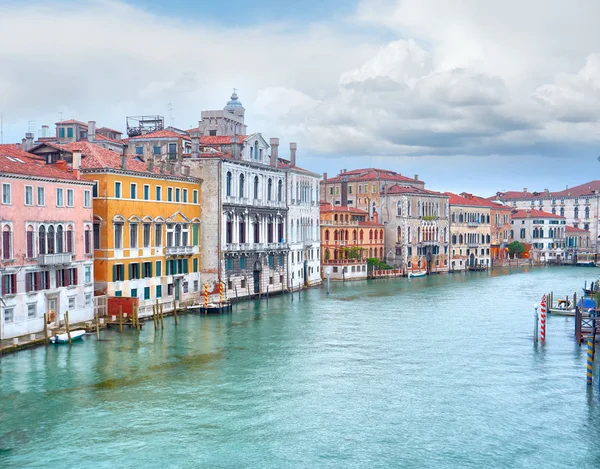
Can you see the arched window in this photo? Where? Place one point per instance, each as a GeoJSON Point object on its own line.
{"type": "Point", "coordinates": [453, 239]}
{"type": "Point", "coordinates": [228, 184]}
{"type": "Point", "coordinates": [255, 187]}
{"type": "Point", "coordinates": [50, 240]}
{"type": "Point", "coordinates": [177, 235]}
{"type": "Point", "coordinates": [256, 149]}
{"type": "Point", "coordinates": [562, 211]}
{"type": "Point", "coordinates": [279, 191]}
{"type": "Point", "coordinates": [362, 236]}
{"type": "Point", "coordinates": [399, 235]}
{"type": "Point", "coordinates": [399, 209]}
{"type": "Point", "coordinates": [371, 236]}
{"type": "Point", "coordinates": [241, 188]}
{"type": "Point", "coordinates": [59, 239]}
{"type": "Point", "coordinates": [354, 236]}
{"type": "Point", "coordinates": [460, 239]}
{"type": "Point", "coordinates": [30, 242]}
{"type": "Point", "coordinates": [453, 217]}
{"type": "Point", "coordinates": [335, 235]}
{"type": "Point", "coordinates": [381, 235]}
{"type": "Point", "coordinates": [42, 240]}
{"type": "Point", "coordinates": [586, 213]}
{"type": "Point", "coordinates": [326, 234]}
{"type": "Point", "coordinates": [269, 189]}
{"type": "Point", "coordinates": [376, 234]}
{"type": "Point", "coordinates": [7, 243]}
{"type": "Point", "coordinates": [576, 212]}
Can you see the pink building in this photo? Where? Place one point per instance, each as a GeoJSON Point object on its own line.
{"type": "Point", "coordinates": [46, 249]}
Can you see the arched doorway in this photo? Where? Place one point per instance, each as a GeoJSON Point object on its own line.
{"type": "Point", "coordinates": [256, 275]}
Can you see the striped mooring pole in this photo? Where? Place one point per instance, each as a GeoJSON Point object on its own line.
{"type": "Point", "coordinates": [590, 359]}
{"type": "Point", "coordinates": [543, 319]}
{"type": "Point", "coordinates": [205, 295]}
{"type": "Point", "coordinates": [220, 292]}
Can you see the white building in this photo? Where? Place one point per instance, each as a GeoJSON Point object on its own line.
{"type": "Point", "coordinates": [302, 223]}
{"type": "Point", "coordinates": [580, 205]}
{"type": "Point", "coordinates": [244, 205]}
{"type": "Point", "coordinates": [545, 232]}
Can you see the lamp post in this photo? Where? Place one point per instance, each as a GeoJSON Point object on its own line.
{"type": "Point", "coordinates": [535, 324]}
{"type": "Point", "coordinates": [328, 271]}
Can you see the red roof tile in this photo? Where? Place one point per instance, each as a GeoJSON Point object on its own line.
{"type": "Point", "coordinates": [371, 174]}
{"type": "Point", "coordinates": [468, 200]}
{"type": "Point", "coordinates": [101, 137]}
{"type": "Point", "coordinates": [587, 188]}
{"type": "Point", "coordinates": [572, 229]}
{"type": "Point", "coordinates": [397, 189]}
{"type": "Point", "coordinates": [109, 129]}
{"type": "Point", "coordinates": [533, 213]}
{"type": "Point", "coordinates": [15, 161]}
{"type": "Point", "coordinates": [219, 139]}
{"type": "Point", "coordinates": [327, 208]}
{"type": "Point", "coordinates": [160, 134]}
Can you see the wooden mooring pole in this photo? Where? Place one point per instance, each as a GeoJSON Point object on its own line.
{"type": "Point", "coordinates": [175, 311]}
{"type": "Point", "coordinates": [67, 327]}
{"type": "Point", "coordinates": [120, 318]}
{"type": "Point", "coordinates": [97, 326]}
{"type": "Point", "coordinates": [45, 328]}
{"type": "Point", "coordinates": [162, 317]}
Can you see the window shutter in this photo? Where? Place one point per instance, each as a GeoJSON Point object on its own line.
{"type": "Point", "coordinates": [150, 269]}
{"type": "Point", "coordinates": [195, 234]}
{"type": "Point", "coordinates": [139, 274]}
{"type": "Point", "coordinates": [130, 271]}
{"type": "Point", "coordinates": [168, 267]}
{"type": "Point", "coordinates": [185, 266]}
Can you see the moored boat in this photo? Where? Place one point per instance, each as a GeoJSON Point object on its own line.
{"type": "Point", "coordinates": [64, 338]}
{"type": "Point", "coordinates": [417, 274]}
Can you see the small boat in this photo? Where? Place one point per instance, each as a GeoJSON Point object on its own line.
{"type": "Point", "coordinates": [417, 274]}
{"type": "Point", "coordinates": [64, 338]}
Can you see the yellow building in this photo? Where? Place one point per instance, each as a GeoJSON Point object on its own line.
{"type": "Point", "coordinates": [146, 225]}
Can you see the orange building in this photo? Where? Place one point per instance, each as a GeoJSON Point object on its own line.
{"type": "Point", "coordinates": [348, 239]}
{"type": "Point", "coordinates": [500, 227]}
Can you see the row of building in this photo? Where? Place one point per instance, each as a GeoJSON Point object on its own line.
{"type": "Point", "coordinates": [88, 213]}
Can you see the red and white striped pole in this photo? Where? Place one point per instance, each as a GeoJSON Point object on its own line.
{"type": "Point", "coordinates": [543, 319]}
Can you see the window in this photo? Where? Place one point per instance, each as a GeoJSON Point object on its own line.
{"type": "Point", "coordinates": [177, 194]}
{"type": "Point", "coordinates": [62, 132]}
{"type": "Point", "coordinates": [87, 199]}
{"type": "Point", "coordinates": [241, 186]}
{"type": "Point", "coordinates": [96, 235]}
{"type": "Point", "coordinates": [59, 197]}
{"type": "Point", "coordinates": [170, 194]}
{"type": "Point", "coordinates": [158, 268]}
{"type": "Point", "coordinates": [228, 184]}
{"type": "Point", "coordinates": [269, 189]}
{"type": "Point", "coordinates": [6, 243]}
{"type": "Point", "coordinates": [146, 192]}
{"type": "Point", "coordinates": [133, 293]}
{"type": "Point", "coordinates": [133, 191]}
{"type": "Point", "coordinates": [87, 274]}
{"type": "Point", "coordinates": [195, 264]}
{"type": "Point", "coordinates": [158, 291]}
{"type": "Point", "coordinates": [133, 235]}
{"type": "Point", "coordinates": [9, 284]}
{"type": "Point", "coordinates": [6, 194]}
{"type": "Point", "coordinates": [28, 195]}
{"type": "Point", "coordinates": [195, 197]}
{"type": "Point", "coordinates": [147, 269]}
{"type": "Point", "coordinates": [31, 310]}
{"type": "Point", "coordinates": [242, 262]}
{"type": "Point", "coordinates": [118, 190]}
{"type": "Point", "coordinates": [88, 299]}
{"type": "Point", "coordinates": [70, 201]}
{"type": "Point", "coordinates": [8, 315]}
{"type": "Point", "coordinates": [158, 234]}
{"type": "Point", "coordinates": [134, 271]}
{"type": "Point", "coordinates": [118, 235]}
{"type": "Point", "coordinates": [146, 235]}
{"type": "Point", "coordinates": [139, 150]}
{"type": "Point", "coordinates": [146, 293]}
{"type": "Point", "coordinates": [118, 293]}
{"type": "Point", "coordinates": [87, 241]}
{"type": "Point", "coordinates": [41, 196]}
{"type": "Point", "coordinates": [118, 272]}
{"type": "Point", "coordinates": [172, 151]}
{"type": "Point", "coordinates": [255, 187]}
{"type": "Point", "coordinates": [185, 196]}
{"type": "Point", "coordinates": [156, 150]}
{"type": "Point", "coordinates": [30, 243]}
{"type": "Point", "coordinates": [71, 302]}
{"type": "Point", "coordinates": [279, 191]}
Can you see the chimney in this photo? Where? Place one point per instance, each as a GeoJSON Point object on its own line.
{"type": "Point", "coordinates": [235, 147]}
{"type": "Point", "coordinates": [123, 161]}
{"type": "Point", "coordinates": [45, 131]}
{"type": "Point", "coordinates": [525, 190]}
{"type": "Point", "coordinates": [195, 144]}
{"type": "Point", "coordinates": [76, 159]}
{"type": "Point", "coordinates": [61, 164]}
{"type": "Point", "coordinates": [91, 131]}
{"type": "Point", "coordinates": [293, 147]}
{"type": "Point", "coordinates": [547, 192]}
{"type": "Point", "coordinates": [24, 144]}
{"type": "Point", "coordinates": [324, 176]}
{"type": "Point", "coordinates": [28, 141]}
{"type": "Point", "coordinates": [416, 177]}
{"type": "Point", "coordinates": [274, 151]}
{"type": "Point", "coordinates": [151, 165]}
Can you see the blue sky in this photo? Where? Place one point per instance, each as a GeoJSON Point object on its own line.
{"type": "Point", "coordinates": [479, 96]}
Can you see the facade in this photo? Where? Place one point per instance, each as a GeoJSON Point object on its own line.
{"type": "Point", "coordinates": [46, 255]}
{"type": "Point", "coordinates": [580, 205]}
{"type": "Point", "coordinates": [544, 233]}
{"type": "Point", "coordinates": [361, 188]}
{"type": "Point", "coordinates": [577, 242]}
{"type": "Point", "coordinates": [348, 239]}
{"type": "Point", "coordinates": [164, 144]}
{"type": "Point", "coordinates": [416, 229]}
{"type": "Point", "coordinates": [302, 186]}
{"type": "Point", "coordinates": [147, 225]}
{"type": "Point", "coordinates": [244, 209]}
{"type": "Point", "coordinates": [500, 228]}
{"type": "Point", "coordinates": [470, 233]}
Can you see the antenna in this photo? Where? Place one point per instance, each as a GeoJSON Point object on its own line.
{"type": "Point", "coordinates": [170, 108]}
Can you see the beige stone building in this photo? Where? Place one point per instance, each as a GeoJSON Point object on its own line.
{"type": "Point", "coordinates": [361, 188]}
{"type": "Point", "coordinates": [470, 232]}
{"type": "Point", "coordinates": [416, 228]}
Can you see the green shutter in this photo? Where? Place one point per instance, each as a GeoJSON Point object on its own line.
{"type": "Point", "coordinates": [158, 269]}
{"type": "Point", "coordinates": [168, 267]}
{"type": "Point", "coordinates": [150, 269]}
{"type": "Point", "coordinates": [195, 264]}
{"type": "Point", "coordinates": [185, 266]}
{"type": "Point", "coordinates": [140, 271]}
{"type": "Point", "coordinates": [195, 234]}
{"type": "Point", "coordinates": [114, 272]}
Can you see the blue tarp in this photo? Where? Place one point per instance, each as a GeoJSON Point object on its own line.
{"type": "Point", "coordinates": [587, 303]}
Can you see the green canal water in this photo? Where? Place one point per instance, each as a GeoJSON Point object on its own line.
{"type": "Point", "coordinates": [436, 372]}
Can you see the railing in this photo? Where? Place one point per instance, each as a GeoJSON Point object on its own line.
{"type": "Point", "coordinates": [473, 224]}
{"type": "Point", "coordinates": [339, 223]}
{"type": "Point", "coordinates": [54, 259]}
{"type": "Point", "coordinates": [175, 250]}
{"type": "Point", "coordinates": [430, 243]}
{"type": "Point", "coordinates": [254, 246]}
{"type": "Point", "coordinates": [473, 245]}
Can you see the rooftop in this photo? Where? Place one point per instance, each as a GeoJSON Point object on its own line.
{"type": "Point", "coordinates": [533, 213]}
{"type": "Point", "coordinates": [16, 161]}
{"type": "Point", "coordinates": [397, 189]}
{"type": "Point", "coordinates": [160, 134]}
{"type": "Point", "coordinates": [581, 190]}
{"type": "Point", "coordinates": [572, 229]}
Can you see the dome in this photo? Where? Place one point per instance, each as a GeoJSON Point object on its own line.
{"type": "Point", "coordinates": [233, 102]}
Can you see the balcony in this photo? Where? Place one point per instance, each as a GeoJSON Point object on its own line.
{"type": "Point", "coordinates": [179, 250]}
{"type": "Point", "coordinates": [339, 223]}
{"type": "Point", "coordinates": [473, 245]}
{"type": "Point", "coordinates": [54, 259]}
{"type": "Point", "coordinates": [473, 224]}
{"type": "Point", "coordinates": [430, 243]}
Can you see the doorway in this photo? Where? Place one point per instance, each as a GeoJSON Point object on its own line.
{"type": "Point", "coordinates": [53, 311]}
{"type": "Point", "coordinates": [256, 281]}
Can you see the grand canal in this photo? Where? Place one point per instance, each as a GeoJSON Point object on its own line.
{"type": "Point", "coordinates": [434, 372]}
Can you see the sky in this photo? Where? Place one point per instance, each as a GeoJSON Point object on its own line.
{"type": "Point", "coordinates": [472, 95]}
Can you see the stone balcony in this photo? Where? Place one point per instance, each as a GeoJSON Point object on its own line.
{"type": "Point", "coordinates": [179, 250]}
{"type": "Point", "coordinates": [54, 259]}
{"type": "Point", "coordinates": [473, 224]}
